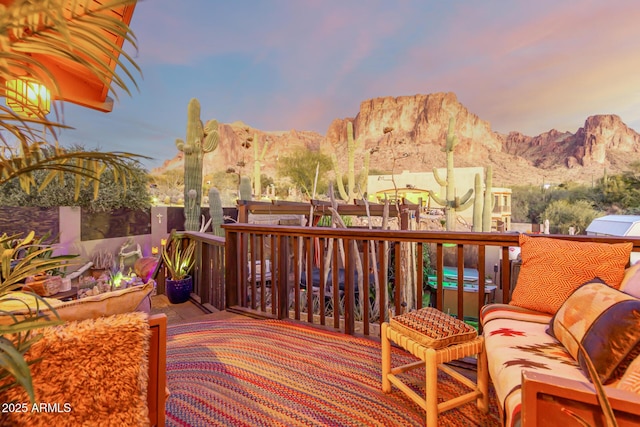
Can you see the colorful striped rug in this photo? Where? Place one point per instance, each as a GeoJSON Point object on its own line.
{"type": "Point", "coordinates": [249, 372]}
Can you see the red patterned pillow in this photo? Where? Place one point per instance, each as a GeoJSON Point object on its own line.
{"type": "Point", "coordinates": [553, 268]}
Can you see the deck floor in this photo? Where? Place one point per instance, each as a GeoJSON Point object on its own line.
{"type": "Point", "coordinates": [185, 312]}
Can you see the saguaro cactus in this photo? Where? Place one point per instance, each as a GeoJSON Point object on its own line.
{"type": "Point", "coordinates": [216, 211]}
{"type": "Point", "coordinates": [258, 157]}
{"type": "Point", "coordinates": [477, 204]}
{"type": "Point", "coordinates": [489, 202]}
{"type": "Point", "coordinates": [199, 140]}
{"type": "Point", "coordinates": [349, 193]}
{"type": "Point", "coordinates": [245, 188]}
{"type": "Point", "coordinates": [452, 203]}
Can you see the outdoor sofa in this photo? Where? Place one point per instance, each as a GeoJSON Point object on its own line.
{"type": "Point", "coordinates": [567, 293]}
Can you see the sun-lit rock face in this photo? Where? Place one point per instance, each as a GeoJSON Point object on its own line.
{"type": "Point", "coordinates": [600, 142]}
{"type": "Point", "coordinates": [602, 134]}
{"type": "Point", "coordinates": [420, 125]}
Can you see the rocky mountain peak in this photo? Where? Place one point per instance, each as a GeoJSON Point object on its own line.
{"type": "Point", "coordinates": [420, 125]}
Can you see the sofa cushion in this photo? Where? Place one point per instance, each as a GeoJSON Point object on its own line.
{"type": "Point", "coordinates": [136, 298]}
{"type": "Point", "coordinates": [433, 328]}
{"type": "Point", "coordinates": [553, 268]}
{"type": "Point", "coordinates": [94, 372]}
{"type": "Point", "coordinates": [516, 340]}
{"type": "Point", "coordinates": [631, 281]}
{"type": "Point", "coordinates": [605, 321]}
{"type": "Point", "coordinates": [630, 381]}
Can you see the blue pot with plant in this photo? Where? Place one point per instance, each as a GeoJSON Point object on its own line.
{"type": "Point", "coordinates": [178, 258]}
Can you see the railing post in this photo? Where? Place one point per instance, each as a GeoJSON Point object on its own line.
{"type": "Point", "coordinates": [283, 277]}
{"type": "Point", "coordinates": [349, 287]}
{"type": "Point", "coordinates": [231, 268]}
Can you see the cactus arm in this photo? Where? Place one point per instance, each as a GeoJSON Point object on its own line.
{"type": "Point", "coordinates": [464, 202]}
{"type": "Point", "coordinates": [264, 149]}
{"type": "Point", "coordinates": [180, 144]}
{"type": "Point", "coordinates": [341, 189]}
{"type": "Point", "coordinates": [439, 200]}
{"type": "Point", "coordinates": [365, 173]}
{"type": "Point", "coordinates": [351, 171]}
{"type": "Point", "coordinates": [439, 179]}
{"type": "Point", "coordinates": [212, 137]}
{"type": "Point", "coordinates": [465, 199]}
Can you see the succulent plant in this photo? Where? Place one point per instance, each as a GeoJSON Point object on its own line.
{"type": "Point", "coordinates": [200, 140]}
{"type": "Point", "coordinates": [349, 193]}
{"type": "Point", "coordinates": [216, 211]}
{"type": "Point", "coordinates": [489, 201]}
{"type": "Point", "coordinates": [245, 188]}
{"type": "Point", "coordinates": [451, 203]}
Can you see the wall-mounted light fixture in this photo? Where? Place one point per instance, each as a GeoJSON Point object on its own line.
{"type": "Point", "coordinates": [154, 250]}
{"type": "Point", "coordinates": [27, 97]}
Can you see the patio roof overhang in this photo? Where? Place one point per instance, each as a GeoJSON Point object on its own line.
{"type": "Point", "coordinates": [76, 84]}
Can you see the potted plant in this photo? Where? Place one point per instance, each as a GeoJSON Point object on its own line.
{"type": "Point", "coordinates": [178, 260]}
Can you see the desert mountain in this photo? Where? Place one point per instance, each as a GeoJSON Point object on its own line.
{"type": "Point", "coordinates": [420, 124]}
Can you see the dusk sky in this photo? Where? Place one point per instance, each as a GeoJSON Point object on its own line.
{"type": "Point", "coordinates": [529, 66]}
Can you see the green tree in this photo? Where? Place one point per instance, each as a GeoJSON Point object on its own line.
{"type": "Point", "coordinates": [527, 203]}
{"type": "Point", "coordinates": [621, 192]}
{"type": "Point", "coordinates": [563, 214]}
{"type": "Point", "coordinates": [300, 168]}
{"type": "Point", "coordinates": [111, 195]}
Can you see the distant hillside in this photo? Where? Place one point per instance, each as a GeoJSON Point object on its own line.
{"type": "Point", "coordinates": [420, 125]}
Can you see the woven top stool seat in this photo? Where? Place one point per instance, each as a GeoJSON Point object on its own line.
{"type": "Point", "coordinates": [432, 328]}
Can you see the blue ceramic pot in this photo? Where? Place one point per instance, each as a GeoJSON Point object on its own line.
{"type": "Point", "coordinates": [179, 291]}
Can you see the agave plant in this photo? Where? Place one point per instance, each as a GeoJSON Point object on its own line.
{"type": "Point", "coordinates": [179, 259]}
{"type": "Point", "coordinates": [77, 33]}
{"type": "Point", "coordinates": [19, 259]}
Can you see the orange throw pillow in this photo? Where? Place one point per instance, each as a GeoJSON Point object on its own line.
{"type": "Point", "coordinates": [553, 268]}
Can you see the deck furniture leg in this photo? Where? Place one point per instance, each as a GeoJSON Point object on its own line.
{"type": "Point", "coordinates": [386, 358]}
{"type": "Point", "coordinates": [483, 380]}
{"type": "Point", "coordinates": [431, 388]}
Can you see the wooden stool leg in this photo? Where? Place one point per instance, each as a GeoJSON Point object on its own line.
{"type": "Point", "coordinates": [431, 388]}
{"type": "Point", "coordinates": [386, 358]}
{"type": "Point", "coordinates": [483, 381]}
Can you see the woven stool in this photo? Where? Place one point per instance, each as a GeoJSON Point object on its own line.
{"type": "Point", "coordinates": [435, 338]}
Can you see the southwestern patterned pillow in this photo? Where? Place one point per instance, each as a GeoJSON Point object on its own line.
{"type": "Point", "coordinates": [607, 324]}
{"type": "Point", "coordinates": [631, 281]}
{"type": "Point", "coordinates": [433, 328]}
{"type": "Point", "coordinates": [553, 268]}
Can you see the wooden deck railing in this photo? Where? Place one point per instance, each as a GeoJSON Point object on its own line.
{"type": "Point", "coordinates": [289, 250]}
{"type": "Point", "coordinates": [223, 276]}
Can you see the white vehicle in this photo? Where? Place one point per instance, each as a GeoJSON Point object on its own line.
{"type": "Point", "coordinates": [616, 225]}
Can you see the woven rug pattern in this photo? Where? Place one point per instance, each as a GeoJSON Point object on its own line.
{"type": "Point", "coordinates": [249, 372]}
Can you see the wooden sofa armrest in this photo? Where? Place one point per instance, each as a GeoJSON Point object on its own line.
{"type": "Point", "coordinates": [157, 389]}
{"type": "Point", "coordinates": [548, 400]}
